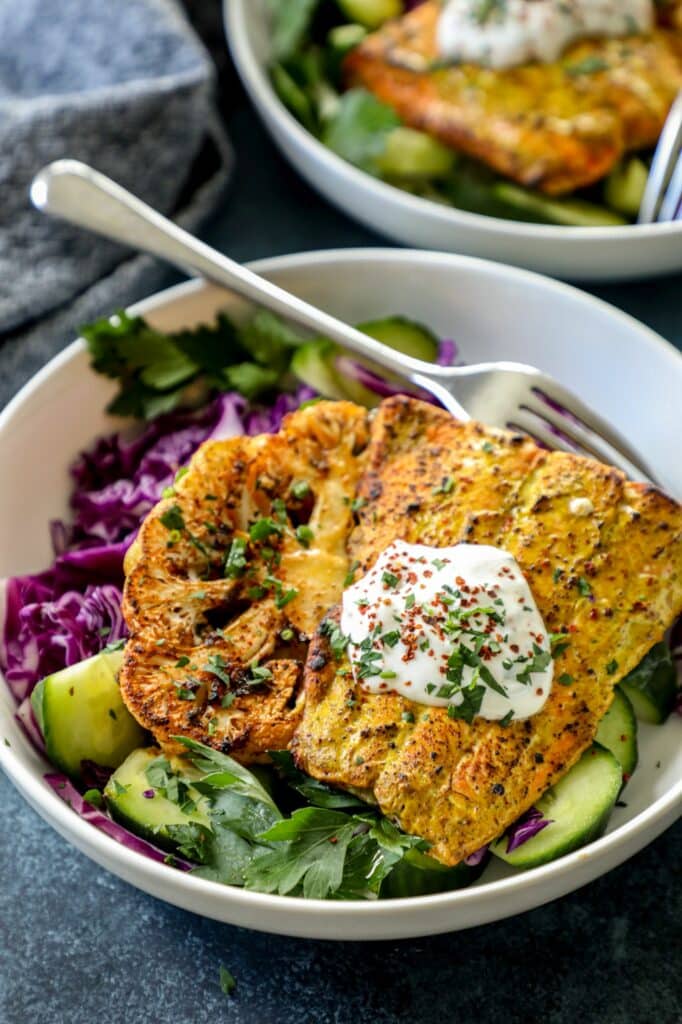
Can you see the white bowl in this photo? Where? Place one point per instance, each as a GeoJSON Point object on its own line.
{"type": "Point", "coordinates": [586, 254]}
{"type": "Point", "coordinates": [630, 374]}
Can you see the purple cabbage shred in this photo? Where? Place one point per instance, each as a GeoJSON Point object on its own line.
{"type": "Point", "coordinates": [65, 789]}
{"type": "Point", "coordinates": [527, 826]}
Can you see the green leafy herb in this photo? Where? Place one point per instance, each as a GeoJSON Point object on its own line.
{"type": "Point", "coordinates": [350, 576]}
{"type": "Point", "coordinates": [587, 66]}
{"type": "Point", "coordinates": [300, 489]}
{"type": "Point", "coordinates": [264, 528]}
{"type": "Point", "coordinates": [612, 667]}
{"type": "Point", "coordinates": [227, 982]}
{"type": "Point", "coordinates": [173, 518]}
{"type": "Point", "coordinates": [316, 793]}
{"type": "Point", "coordinates": [304, 536]}
{"type": "Point", "coordinates": [584, 587]}
{"type": "Point", "coordinates": [446, 485]}
{"type": "Point", "coordinates": [360, 128]}
{"type": "Point", "coordinates": [235, 562]}
{"type": "Point", "coordinates": [338, 641]}
{"type": "Point", "coordinates": [312, 847]}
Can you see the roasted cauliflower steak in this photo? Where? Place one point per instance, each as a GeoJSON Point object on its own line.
{"type": "Point", "coordinates": [231, 574]}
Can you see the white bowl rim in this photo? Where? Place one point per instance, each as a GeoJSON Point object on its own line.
{"type": "Point", "coordinates": [105, 849]}
{"type": "Point", "coordinates": [234, 14]}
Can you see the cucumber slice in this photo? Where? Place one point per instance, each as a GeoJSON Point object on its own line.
{"type": "Point", "coordinates": [313, 364]}
{"type": "Point", "coordinates": [577, 213]}
{"type": "Point", "coordinates": [618, 733]}
{"type": "Point", "coordinates": [579, 807]}
{"type": "Point", "coordinates": [82, 716]}
{"type": "Point", "coordinates": [403, 335]}
{"type": "Point", "coordinates": [624, 187]}
{"type": "Point", "coordinates": [371, 13]}
{"type": "Point", "coordinates": [417, 874]}
{"type": "Point", "coordinates": [400, 334]}
{"type": "Point", "coordinates": [652, 686]}
{"type": "Point", "coordinates": [412, 154]}
{"type": "Point", "coordinates": [151, 817]}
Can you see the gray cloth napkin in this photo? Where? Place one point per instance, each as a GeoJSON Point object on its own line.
{"type": "Point", "coordinates": [127, 87]}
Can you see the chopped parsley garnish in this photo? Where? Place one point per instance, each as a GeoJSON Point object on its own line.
{"type": "Point", "coordinates": [260, 673]}
{"type": "Point", "coordinates": [557, 574]}
{"type": "Point", "coordinates": [446, 485]}
{"type": "Point", "coordinates": [507, 719]}
{"type": "Point", "coordinates": [472, 698]}
{"type": "Point", "coordinates": [300, 489]}
{"type": "Point", "coordinates": [407, 716]}
{"type": "Point", "coordinates": [183, 693]}
{"type": "Point", "coordinates": [565, 679]}
{"type": "Point", "coordinates": [227, 982]}
{"type": "Point", "coordinates": [358, 503]}
{"type": "Point", "coordinates": [235, 562]}
{"type": "Point", "coordinates": [612, 667]}
{"type": "Point", "coordinates": [389, 579]}
{"type": "Point", "coordinates": [488, 446]}
{"type": "Point", "coordinates": [338, 641]}
{"type": "Point", "coordinates": [217, 666]}
{"type": "Point", "coordinates": [439, 563]}
{"type": "Point", "coordinates": [350, 576]}
{"type": "Point", "coordinates": [173, 518]}
{"type": "Point", "coordinates": [227, 700]}
{"type": "Point", "coordinates": [304, 536]}
{"type": "Point", "coordinates": [264, 528]}
{"type": "Point", "coordinates": [584, 587]}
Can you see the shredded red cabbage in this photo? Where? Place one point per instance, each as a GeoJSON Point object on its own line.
{"type": "Point", "coordinates": [64, 788]}
{"type": "Point", "coordinates": [475, 858]}
{"type": "Point", "coordinates": [24, 715]}
{"type": "Point", "coordinates": [527, 826]}
{"type": "Point", "coordinates": [447, 352]}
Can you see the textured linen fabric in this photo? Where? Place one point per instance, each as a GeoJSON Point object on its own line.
{"type": "Point", "coordinates": [124, 85]}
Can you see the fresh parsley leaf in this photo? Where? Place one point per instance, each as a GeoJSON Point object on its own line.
{"type": "Point", "coordinates": [587, 66]}
{"type": "Point", "coordinates": [360, 128]}
{"type": "Point", "coordinates": [266, 337]}
{"type": "Point", "coordinates": [309, 857]}
{"type": "Point", "coordinates": [472, 698]}
{"type": "Point", "coordinates": [250, 379]}
{"type": "Point", "coordinates": [290, 21]}
{"type": "Point", "coordinates": [315, 792]}
{"type": "Point", "coordinates": [223, 772]}
{"type": "Point", "coordinates": [192, 840]}
{"type": "Point", "coordinates": [227, 982]}
{"type": "Point", "coordinates": [172, 518]}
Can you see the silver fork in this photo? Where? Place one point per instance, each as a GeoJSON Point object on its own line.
{"type": "Point", "coordinates": [501, 394]}
{"type": "Point", "coordinates": [662, 197]}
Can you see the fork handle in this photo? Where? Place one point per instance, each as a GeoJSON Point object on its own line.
{"type": "Point", "coordinates": [77, 193]}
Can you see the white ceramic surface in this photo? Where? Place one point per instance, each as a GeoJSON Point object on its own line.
{"type": "Point", "coordinates": [630, 374]}
{"type": "Point", "coordinates": [585, 254]}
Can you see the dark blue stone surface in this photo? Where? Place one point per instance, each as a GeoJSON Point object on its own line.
{"type": "Point", "coordinates": [78, 946]}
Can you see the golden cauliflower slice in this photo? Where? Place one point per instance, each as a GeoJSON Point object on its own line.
{"type": "Point", "coordinates": [230, 576]}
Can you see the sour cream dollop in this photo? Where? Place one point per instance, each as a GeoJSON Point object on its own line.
{"type": "Point", "coordinates": [506, 33]}
{"type": "Point", "coordinates": [455, 627]}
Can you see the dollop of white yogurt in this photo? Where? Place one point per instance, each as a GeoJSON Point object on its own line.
{"type": "Point", "coordinates": [505, 33]}
{"type": "Point", "coordinates": [455, 627]}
